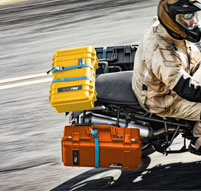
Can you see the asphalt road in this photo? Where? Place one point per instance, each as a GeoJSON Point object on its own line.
{"type": "Point", "coordinates": [31, 131]}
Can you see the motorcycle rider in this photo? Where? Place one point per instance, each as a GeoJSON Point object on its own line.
{"type": "Point", "coordinates": [167, 72]}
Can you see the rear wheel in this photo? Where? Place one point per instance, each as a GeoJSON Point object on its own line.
{"type": "Point", "coordinates": [147, 149]}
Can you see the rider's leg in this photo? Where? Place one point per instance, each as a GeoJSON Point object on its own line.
{"type": "Point", "coordinates": [191, 111]}
{"type": "Point", "coordinates": [197, 126]}
{"type": "Point", "coordinates": [183, 109]}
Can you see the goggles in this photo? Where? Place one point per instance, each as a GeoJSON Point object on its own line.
{"type": "Point", "coordinates": [189, 16]}
{"type": "Point", "coordinates": [185, 19]}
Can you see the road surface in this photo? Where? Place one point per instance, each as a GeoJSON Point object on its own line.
{"type": "Point", "coordinates": [30, 130]}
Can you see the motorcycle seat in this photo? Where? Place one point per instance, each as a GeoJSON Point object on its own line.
{"type": "Point", "coordinates": [116, 88]}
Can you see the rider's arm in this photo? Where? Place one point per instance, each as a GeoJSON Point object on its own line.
{"type": "Point", "coordinates": [166, 66]}
{"type": "Point", "coordinates": [188, 89]}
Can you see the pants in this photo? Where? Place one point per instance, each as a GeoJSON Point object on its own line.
{"type": "Point", "coordinates": [184, 109]}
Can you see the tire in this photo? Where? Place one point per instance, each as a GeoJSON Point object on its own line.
{"type": "Point", "coordinates": [147, 150]}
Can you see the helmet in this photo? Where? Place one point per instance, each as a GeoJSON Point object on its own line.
{"type": "Point", "coordinates": [175, 15]}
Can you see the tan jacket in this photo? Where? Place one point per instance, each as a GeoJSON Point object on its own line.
{"type": "Point", "coordinates": [160, 61]}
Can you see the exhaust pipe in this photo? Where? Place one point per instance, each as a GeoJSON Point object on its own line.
{"type": "Point", "coordinates": [145, 131]}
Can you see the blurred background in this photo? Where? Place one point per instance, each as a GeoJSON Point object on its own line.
{"type": "Point", "coordinates": [30, 130]}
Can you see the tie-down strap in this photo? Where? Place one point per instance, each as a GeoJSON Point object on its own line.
{"type": "Point", "coordinates": [58, 69]}
{"type": "Point", "coordinates": [94, 133]}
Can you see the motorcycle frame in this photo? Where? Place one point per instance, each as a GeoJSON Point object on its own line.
{"type": "Point", "coordinates": [133, 114]}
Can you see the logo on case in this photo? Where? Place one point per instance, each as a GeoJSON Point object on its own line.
{"type": "Point", "coordinates": [72, 88]}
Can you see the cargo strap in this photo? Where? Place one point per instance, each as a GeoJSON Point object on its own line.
{"type": "Point", "coordinates": [94, 133]}
{"type": "Point", "coordinates": [73, 79]}
{"type": "Point", "coordinates": [104, 52]}
{"type": "Point", "coordinates": [57, 69]}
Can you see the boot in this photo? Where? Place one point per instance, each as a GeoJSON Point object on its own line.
{"type": "Point", "coordinates": [192, 147]}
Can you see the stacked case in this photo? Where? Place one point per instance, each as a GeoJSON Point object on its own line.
{"type": "Point", "coordinates": [73, 85]}
{"type": "Point", "coordinates": [117, 147]}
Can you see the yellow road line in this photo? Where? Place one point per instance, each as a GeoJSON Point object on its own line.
{"type": "Point", "coordinates": [26, 83]}
{"type": "Point", "coordinates": [22, 78]}
{"type": "Point", "coordinates": [6, 2]}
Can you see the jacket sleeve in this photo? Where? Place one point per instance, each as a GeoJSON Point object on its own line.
{"type": "Point", "coordinates": [166, 66]}
{"type": "Point", "coordinates": [188, 89]}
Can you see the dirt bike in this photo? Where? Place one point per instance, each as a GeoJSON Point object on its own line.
{"type": "Point", "coordinates": [117, 105]}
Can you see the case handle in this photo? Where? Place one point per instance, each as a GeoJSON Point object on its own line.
{"type": "Point", "coordinates": [113, 130]}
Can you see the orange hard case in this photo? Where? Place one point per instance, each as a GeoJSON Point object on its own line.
{"type": "Point", "coordinates": [118, 147]}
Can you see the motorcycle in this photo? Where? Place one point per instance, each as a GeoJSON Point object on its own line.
{"type": "Point", "coordinates": [117, 105]}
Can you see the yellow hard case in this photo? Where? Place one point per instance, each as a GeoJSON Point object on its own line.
{"type": "Point", "coordinates": [74, 95]}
